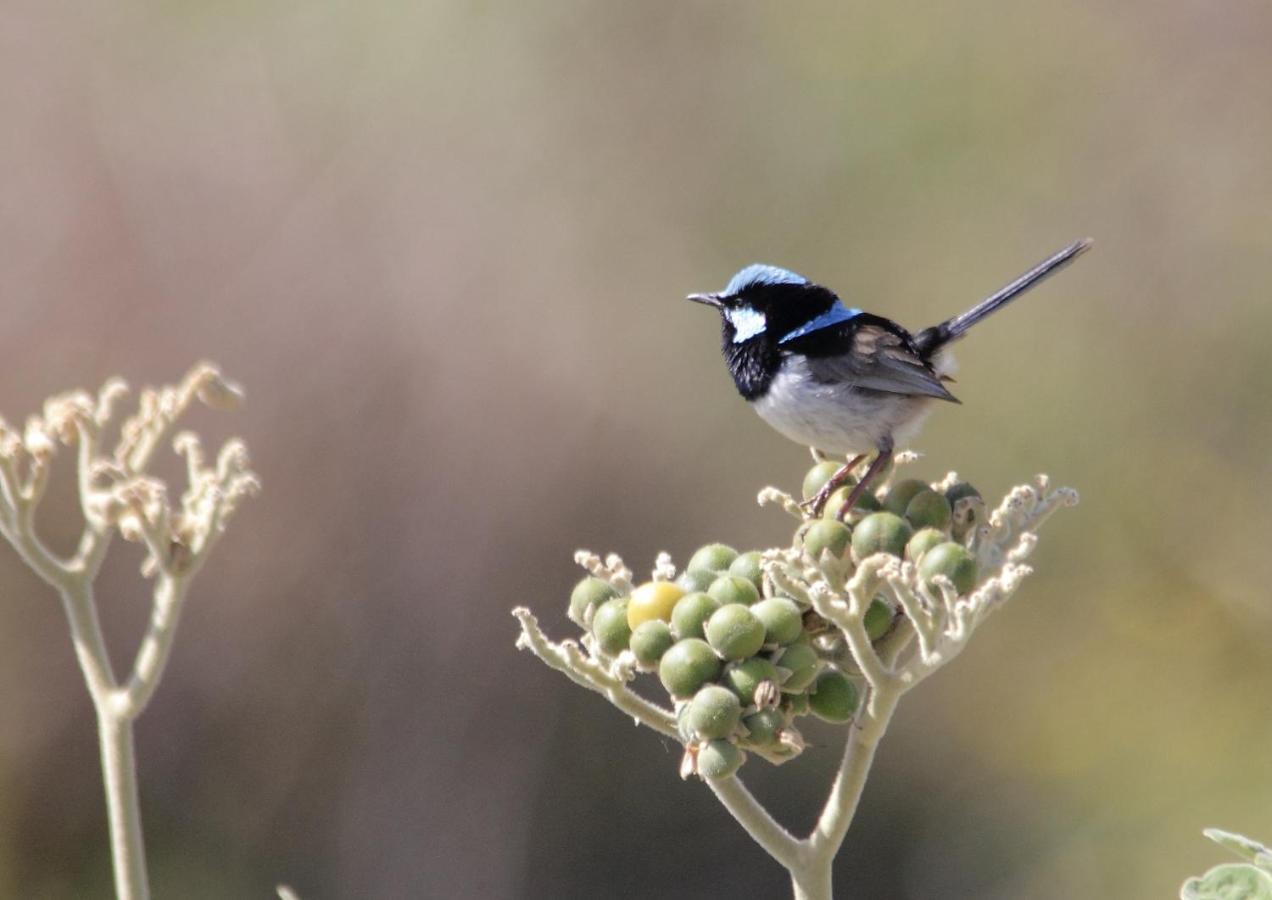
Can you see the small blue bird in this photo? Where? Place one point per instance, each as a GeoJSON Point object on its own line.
{"type": "Point", "coordinates": [838, 379]}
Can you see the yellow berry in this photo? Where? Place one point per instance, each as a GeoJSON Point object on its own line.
{"type": "Point", "coordinates": [653, 600]}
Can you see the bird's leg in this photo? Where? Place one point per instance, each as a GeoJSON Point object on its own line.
{"type": "Point", "coordinates": [885, 454]}
{"type": "Point", "coordinates": [815, 503]}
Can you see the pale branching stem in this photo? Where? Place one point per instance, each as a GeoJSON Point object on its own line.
{"type": "Point", "coordinates": [90, 645]}
{"type": "Point", "coordinates": [850, 780]}
{"type": "Point", "coordinates": [116, 494]}
{"type": "Point", "coordinates": [584, 670]}
{"type": "Point", "coordinates": [758, 823]}
{"type": "Point", "coordinates": [155, 648]}
{"type": "Point", "coordinates": [123, 809]}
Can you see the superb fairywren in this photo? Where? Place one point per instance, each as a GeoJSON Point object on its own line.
{"type": "Point", "coordinates": [836, 378]}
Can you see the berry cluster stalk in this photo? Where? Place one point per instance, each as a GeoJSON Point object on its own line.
{"type": "Point", "coordinates": [884, 606]}
{"type": "Point", "coordinates": [117, 495]}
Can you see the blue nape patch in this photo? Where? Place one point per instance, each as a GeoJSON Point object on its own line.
{"type": "Point", "coordinates": [833, 316]}
{"type": "Point", "coordinates": [757, 273]}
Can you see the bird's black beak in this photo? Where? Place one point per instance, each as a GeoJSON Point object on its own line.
{"type": "Point", "coordinates": [708, 299]}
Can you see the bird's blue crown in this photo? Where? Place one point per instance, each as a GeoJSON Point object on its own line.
{"type": "Point", "coordinates": [758, 273]}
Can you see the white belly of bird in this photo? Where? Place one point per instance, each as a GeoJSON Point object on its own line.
{"type": "Point", "coordinates": [838, 418]}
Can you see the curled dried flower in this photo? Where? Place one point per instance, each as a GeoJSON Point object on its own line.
{"type": "Point", "coordinates": [217, 393]}
{"type": "Point", "coordinates": [117, 495]}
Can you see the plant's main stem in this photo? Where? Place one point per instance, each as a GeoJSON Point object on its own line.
{"type": "Point", "coordinates": [115, 742]}
{"type": "Point", "coordinates": [123, 809]}
{"type": "Point", "coordinates": [810, 861]}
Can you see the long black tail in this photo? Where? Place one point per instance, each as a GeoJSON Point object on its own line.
{"type": "Point", "coordinates": [929, 340]}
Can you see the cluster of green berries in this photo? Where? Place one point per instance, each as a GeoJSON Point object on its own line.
{"type": "Point", "coordinates": [740, 666]}
{"type": "Point", "coordinates": [912, 520]}
{"type": "Point", "coordinates": [742, 660]}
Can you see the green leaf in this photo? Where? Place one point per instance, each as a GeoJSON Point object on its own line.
{"type": "Point", "coordinates": [1243, 846]}
{"type": "Point", "coordinates": [1230, 881]}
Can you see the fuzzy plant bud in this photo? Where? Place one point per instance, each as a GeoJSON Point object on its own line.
{"type": "Point", "coordinates": [827, 536]}
{"type": "Point", "coordinates": [587, 595]}
{"type": "Point", "coordinates": [881, 532]}
{"type": "Point", "coordinates": [734, 632]}
{"type": "Point", "coordinates": [652, 600]}
{"type": "Point", "coordinates": [833, 697]}
{"type": "Point", "coordinates": [818, 477]}
{"type": "Point", "coordinates": [764, 728]}
{"type": "Point", "coordinates": [748, 566]}
{"type": "Point", "coordinates": [901, 493]}
{"type": "Point", "coordinates": [923, 541]}
{"type": "Point", "coordinates": [687, 666]}
{"type": "Point", "coordinates": [610, 628]}
{"type": "Point", "coordinates": [928, 509]}
{"type": "Point", "coordinates": [719, 759]}
{"type": "Point", "coordinates": [694, 580]}
{"type": "Point", "coordinates": [649, 641]}
{"type": "Point", "coordinates": [802, 662]}
{"type": "Point", "coordinates": [714, 712]}
{"type": "Point", "coordinates": [712, 558]}
{"type": "Point", "coordinates": [954, 561]}
{"type": "Point", "coordinates": [838, 501]}
{"type": "Point", "coordinates": [691, 613]}
{"type": "Point", "coordinates": [745, 678]}
{"type": "Point", "coordinates": [734, 589]}
{"type": "Point", "coordinates": [782, 620]}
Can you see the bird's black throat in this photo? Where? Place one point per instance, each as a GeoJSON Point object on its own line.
{"type": "Point", "coordinates": [752, 363]}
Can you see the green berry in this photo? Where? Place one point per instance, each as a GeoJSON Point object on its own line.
{"type": "Point", "coordinates": [687, 666]}
{"type": "Point", "coordinates": [922, 542]}
{"type": "Point", "coordinates": [783, 622]}
{"type": "Point", "coordinates": [691, 613]}
{"type": "Point", "coordinates": [747, 566]}
{"type": "Point", "coordinates": [901, 493]}
{"type": "Point", "coordinates": [745, 677]}
{"type": "Point", "coordinates": [833, 697]}
{"type": "Point", "coordinates": [694, 580]}
{"type": "Point", "coordinates": [719, 759]}
{"type": "Point", "coordinates": [827, 535]}
{"type": "Point", "coordinates": [878, 619]}
{"type": "Point", "coordinates": [867, 502]}
{"type": "Point", "coordinates": [957, 492]}
{"type": "Point", "coordinates": [714, 712]}
{"type": "Point", "coordinates": [650, 640]}
{"type": "Point", "coordinates": [764, 727]}
{"type": "Point", "coordinates": [587, 595]}
{"type": "Point", "coordinates": [802, 661]}
{"type": "Point", "coordinates": [653, 600]}
{"type": "Point", "coordinates": [734, 589]}
{"type": "Point", "coordinates": [952, 560]}
{"type": "Point", "coordinates": [818, 476]}
{"type": "Point", "coordinates": [712, 558]}
{"type": "Point", "coordinates": [610, 628]}
{"type": "Point", "coordinates": [735, 632]}
{"type": "Point", "coordinates": [881, 532]}
{"type": "Point", "coordinates": [928, 509]}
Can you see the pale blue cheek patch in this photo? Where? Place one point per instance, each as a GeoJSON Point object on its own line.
{"type": "Point", "coordinates": [833, 316]}
{"type": "Point", "coordinates": [746, 322]}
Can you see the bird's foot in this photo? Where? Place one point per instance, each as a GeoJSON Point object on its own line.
{"type": "Point", "coordinates": [814, 505]}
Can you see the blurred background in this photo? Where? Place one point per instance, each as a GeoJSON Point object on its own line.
{"type": "Point", "coordinates": [444, 246]}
